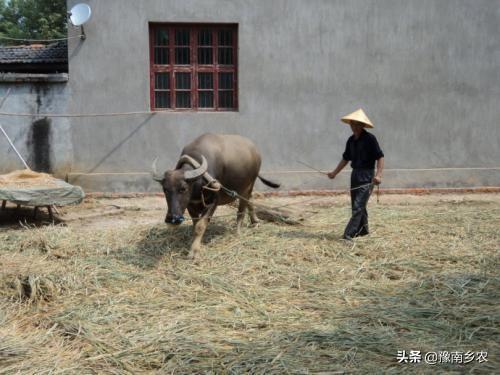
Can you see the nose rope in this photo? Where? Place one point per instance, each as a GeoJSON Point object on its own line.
{"type": "Point", "coordinates": [207, 187]}
{"type": "Point", "coordinates": [217, 187]}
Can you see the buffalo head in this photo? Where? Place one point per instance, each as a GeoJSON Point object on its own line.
{"type": "Point", "coordinates": [177, 185]}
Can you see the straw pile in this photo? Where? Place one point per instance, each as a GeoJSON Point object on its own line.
{"type": "Point", "coordinates": [26, 179]}
{"type": "Point", "coordinates": [278, 299]}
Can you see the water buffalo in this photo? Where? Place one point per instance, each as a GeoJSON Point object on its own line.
{"type": "Point", "coordinates": [207, 167]}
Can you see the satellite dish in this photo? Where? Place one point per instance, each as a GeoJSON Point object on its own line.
{"type": "Point", "coordinates": [80, 14]}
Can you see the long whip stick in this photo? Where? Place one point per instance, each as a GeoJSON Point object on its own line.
{"type": "Point", "coordinates": [311, 167]}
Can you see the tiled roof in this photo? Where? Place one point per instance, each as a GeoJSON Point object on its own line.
{"type": "Point", "coordinates": [35, 54]}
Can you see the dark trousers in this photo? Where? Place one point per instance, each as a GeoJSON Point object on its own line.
{"type": "Point", "coordinates": [358, 225]}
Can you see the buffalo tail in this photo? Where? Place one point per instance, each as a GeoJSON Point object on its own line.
{"type": "Point", "coordinates": [269, 183]}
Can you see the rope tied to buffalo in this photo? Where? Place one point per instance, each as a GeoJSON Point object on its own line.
{"type": "Point", "coordinates": [234, 194]}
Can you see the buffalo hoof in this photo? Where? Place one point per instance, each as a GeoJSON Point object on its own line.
{"type": "Point", "coordinates": [193, 255]}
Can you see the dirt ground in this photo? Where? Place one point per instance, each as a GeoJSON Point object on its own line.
{"type": "Point", "coordinates": [119, 212]}
{"type": "Point", "coordinates": [107, 289]}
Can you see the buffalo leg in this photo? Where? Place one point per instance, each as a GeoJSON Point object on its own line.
{"type": "Point", "coordinates": [241, 214]}
{"type": "Point", "coordinates": [251, 211]}
{"type": "Point", "coordinates": [253, 216]}
{"type": "Point", "coordinates": [195, 213]}
{"type": "Point", "coordinates": [194, 217]}
{"type": "Point", "coordinates": [199, 230]}
{"type": "Point", "coordinates": [244, 204]}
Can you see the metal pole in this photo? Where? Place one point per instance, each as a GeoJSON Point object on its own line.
{"type": "Point", "coordinates": [14, 147]}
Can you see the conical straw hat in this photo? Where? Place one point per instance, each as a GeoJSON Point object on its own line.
{"type": "Point", "coordinates": [358, 116]}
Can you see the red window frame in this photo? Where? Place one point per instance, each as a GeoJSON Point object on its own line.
{"type": "Point", "coordinates": [220, 95]}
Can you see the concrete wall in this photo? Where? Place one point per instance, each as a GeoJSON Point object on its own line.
{"type": "Point", "coordinates": [44, 143]}
{"type": "Point", "coordinates": [427, 73]}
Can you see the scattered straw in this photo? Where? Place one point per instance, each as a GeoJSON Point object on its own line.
{"type": "Point", "coordinates": [118, 296]}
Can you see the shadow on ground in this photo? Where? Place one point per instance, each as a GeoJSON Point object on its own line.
{"type": "Point", "coordinates": [12, 217]}
{"type": "Point", "coordinates": [162, 240]}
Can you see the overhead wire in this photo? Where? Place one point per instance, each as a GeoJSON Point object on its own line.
{"type": "Point", "coordinates": [11, 114]}
{"type": "Point", "coordinates": [39, 40]}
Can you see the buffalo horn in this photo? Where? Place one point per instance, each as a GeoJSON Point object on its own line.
{"type": "Point", "coordinates": [154, 173]}
{"type": "Point", "coordinates": [198, 171]}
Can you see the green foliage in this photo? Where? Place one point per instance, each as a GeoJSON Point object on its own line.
{"type": "Point", "coordinates": [32, 19]}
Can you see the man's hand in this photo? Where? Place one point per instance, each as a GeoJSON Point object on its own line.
{"type": "Point", "coordinates": [336, 171]}
{"type": "Point", "coordinates": [377, 180]}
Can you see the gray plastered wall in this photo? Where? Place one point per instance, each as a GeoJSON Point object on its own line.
{"type": "Point", "coordinates": [44, 143]}
{"type": "Point", "coordinates": [427, 73]}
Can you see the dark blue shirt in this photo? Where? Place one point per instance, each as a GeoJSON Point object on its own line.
{"type": "Point", "coordinates": [362, 152]}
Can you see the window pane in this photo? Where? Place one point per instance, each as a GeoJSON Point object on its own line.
{"type": "Point", "coordinates": [194, 66]}
{"type": "Point", "coordinates": [183, 81]}
{"type": "Point", "coordinates": [205, 38]}
{"type": "Point", "coordinates": [205, 56]}
{"type": "Point", "coordinates": [226, 99]}
{"type": "Point", "coordinates": [182, 56]}
{"type": "Point", "coordinates": [162, 99]}
{"type": "Point", "coordinates": [182, 37]}
{"type": "Point", "coordinates": [183, 99]}
{"type": "Point", "coordinates": [161, 55]}
{"type": "Point", "coordinates": [161, 37]}
{"type": "Point", "coordinates": [225, 38]}
{"type": "Point", "coordinates": [162, 81]}
{"type": "Point", "coordinates": [205, 81]}
{"type": "Point", "coordinates": [225, 56]}
{"type": "Point", "coordinates": [206, 99]}
{"type": "Point", "coordinates": [225, 81]}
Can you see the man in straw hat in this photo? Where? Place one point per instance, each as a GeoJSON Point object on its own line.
{"type": "Point", "coordinates": [363, 150]}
